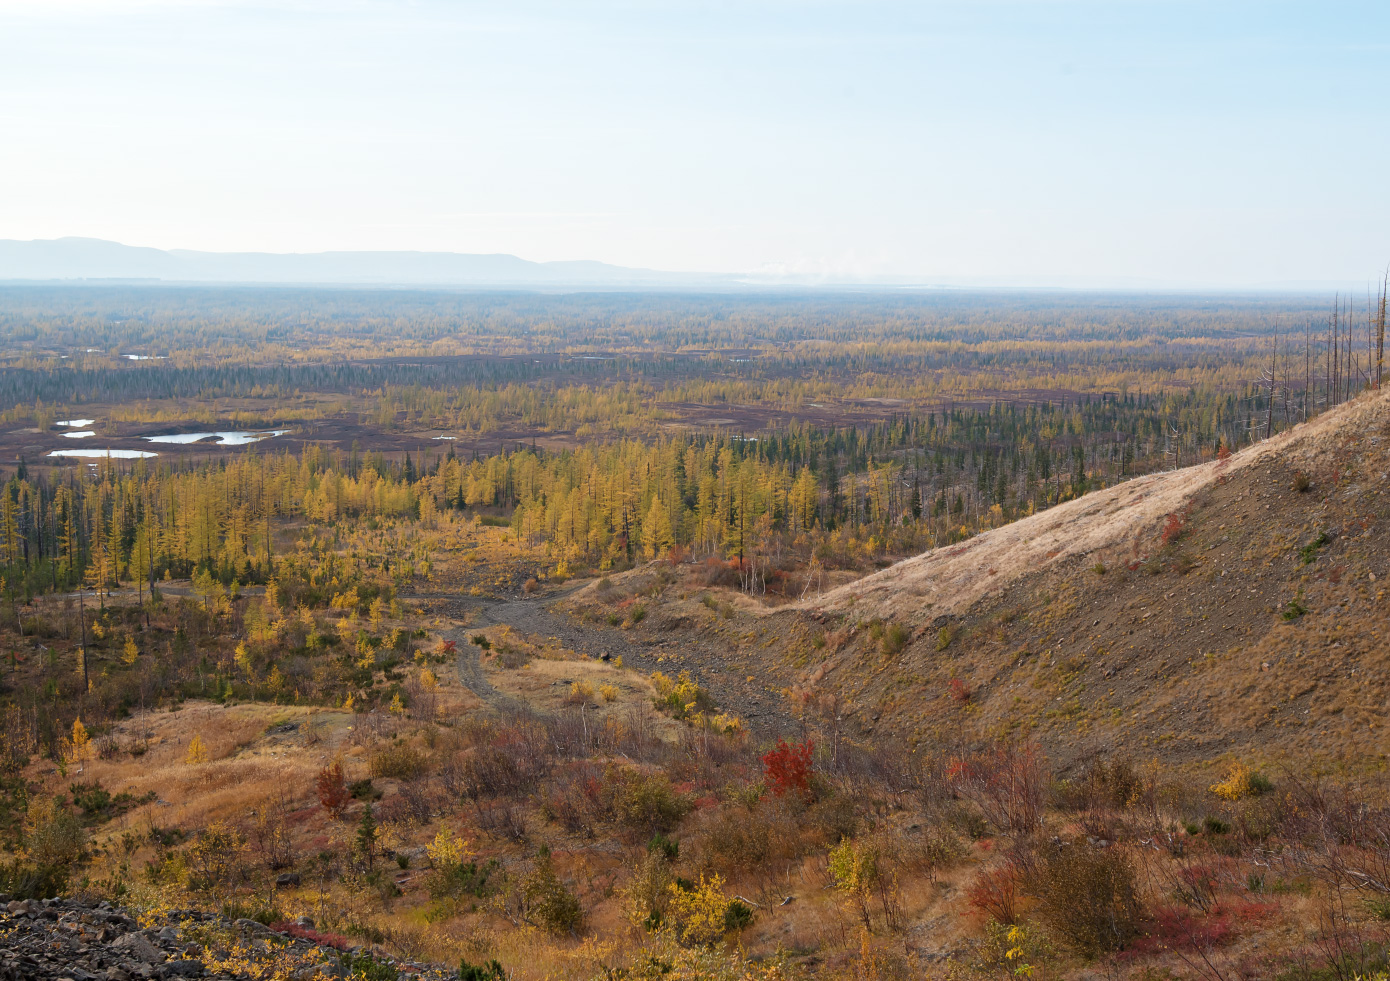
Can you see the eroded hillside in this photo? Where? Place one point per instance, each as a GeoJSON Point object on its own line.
{"type": "Point", "coordinates": [1232, 607]}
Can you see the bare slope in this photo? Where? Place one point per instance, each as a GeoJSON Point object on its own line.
{"type": "Point", "coordinates": [1257, 629]}
{"type": "Point", "coordinates": [1254, 630]}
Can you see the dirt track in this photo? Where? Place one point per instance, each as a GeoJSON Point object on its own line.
{"type": "Point", "coordinates": [759, 706]}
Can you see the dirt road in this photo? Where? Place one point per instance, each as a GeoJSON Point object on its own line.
{"type": "Point", "coordinates": [762, 710]}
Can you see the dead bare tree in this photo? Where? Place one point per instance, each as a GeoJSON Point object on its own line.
{"type": "Point", "coordinates": [1380, 325]}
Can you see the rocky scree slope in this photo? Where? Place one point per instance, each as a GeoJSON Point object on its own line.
{"type": "Point", "coordinates": [68, 938]}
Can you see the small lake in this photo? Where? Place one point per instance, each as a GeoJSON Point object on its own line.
{"type": "Point", "coordinates": [102, 454]}
{"type": "Point", "coordinates": [240, 437]}
{"type": "Point", "coordinates": [75, 422]}
{"type": "Point", "coordinates": [80, 434]}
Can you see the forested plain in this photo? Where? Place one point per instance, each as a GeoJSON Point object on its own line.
{"type": "Point", "coordinates": [433, 447]}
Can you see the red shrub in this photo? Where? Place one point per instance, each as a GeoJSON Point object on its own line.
{"type": "Point", "coordinates": [1007, 783]}
{"type": "Point", "coordinates": [335, 940]}
{"type": "Point", "coordinates": [1172, 528]}
{"type": "Point", "coordinates": [995, 892]}
{"type": "Point", "coordinates": [1178, 928]}
{"type": "Point", "coordinates": [332, 789]}
{"type": "Point", "coordinates": [788, 768]}
{"type": "Point", "coordinates": [1223, 453]}
{"type": "Point", "coordinates": [959, 693]}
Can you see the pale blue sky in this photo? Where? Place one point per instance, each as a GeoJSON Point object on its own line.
{"type": "Point", "coordinates": [1176, 143]}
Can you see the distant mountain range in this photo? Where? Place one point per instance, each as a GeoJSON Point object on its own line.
{"type": "Point", "coordinates": [95, 259]}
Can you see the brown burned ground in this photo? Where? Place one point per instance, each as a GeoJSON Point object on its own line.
{"type": "Point", "coordinates": [344, 429]}
{"type": "Point", "coordinates": [1239, 637]}
{"type": "Point", "coordinates": [746, 417]}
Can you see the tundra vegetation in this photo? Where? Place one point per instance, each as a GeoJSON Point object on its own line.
{"type": "Point", "coordinates": [278, 681]}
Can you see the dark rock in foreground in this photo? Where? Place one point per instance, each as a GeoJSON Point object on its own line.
{"type": "Point", "coordinates": [66, 938]}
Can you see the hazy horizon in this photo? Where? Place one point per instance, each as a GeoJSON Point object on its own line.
{"type": "Point", "coordinates": [1071, 145]}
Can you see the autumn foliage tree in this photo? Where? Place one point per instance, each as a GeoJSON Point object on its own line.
{"type": "Point", "coordinates": [787, 768]}
{"type": "Point", "coordinates": [332, 789]}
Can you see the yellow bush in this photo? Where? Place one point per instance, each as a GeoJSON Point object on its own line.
{"type": "Point", "coordinates": [699, 913]}
{"type": "Point", "coordinates": [609, 692]}
{"type": "Point", "coordinates": [580, 691]}
{"type": "Point", "coordinates": [1240, 782]}
{"type": "Point", "coordinates": [448, 849]}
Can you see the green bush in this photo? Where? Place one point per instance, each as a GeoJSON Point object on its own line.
{"type": "Point", "coordinates": [649, 803]}
{"type": "Point", "coordinates": [487, 971]}
{"type": "Point", "coordinates": [457, 879]}
{"type": "Point", "coordinates": [22, 880]}
{"type": "Point", "coordinates": [737, 915]}
{"type": "Point", "coordinates": [547, 902]}
{"type": "Point", "coordinates": [368, 968]}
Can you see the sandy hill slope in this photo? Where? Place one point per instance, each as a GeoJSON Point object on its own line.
{"type": "Point", "coordinates": [1249, 622]}
{"type": "Point", "coordinates": [1230, 609]}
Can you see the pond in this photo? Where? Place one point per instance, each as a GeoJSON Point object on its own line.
{"type": "Point", "coordinates": [80, 434]}
{"type": "Point", "coordinates": [240, 437]}
{"type": "Point", "coordinates": [112, 454]}
{"type": "Point", "coordinates": [75, 422]}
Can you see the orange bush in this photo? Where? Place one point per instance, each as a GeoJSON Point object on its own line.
{"type": "Point", "coordinates": [332, 789]}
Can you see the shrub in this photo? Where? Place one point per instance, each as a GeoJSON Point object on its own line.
{"type": "Point", "coordinates": [24, 880]}
{"type": "Point", "coordinates": [214, 857]}
{"type": "Point", "coordinates": [895, 638]}
{"type": "Point", "coordinates": [680, 695]}
{"type": "Point", "coordinates": [700, 913]}
{"type": "Point", "coordinates": [581, 693]}
{"type": "Point", "coordinates": [1006, 783]}
{"type": "Point", "coordinates": [737, 915]}
{"type": "Point", "coordinates": [367, 968]}
{"type": "Point", "coordinates": [334, 940]}
{"type": "Point", "coordinates": [1172, 528]}
{"type": "Point", "coordinates": [1241, 782]}
{"type": "Point", "coordinates": [638, 614]}
{"type": "Point", "coordinates": [958, 692]}
{"type": "Point", "coordinates": [1301, 483]}
{"type": "Point", "coordinates": [1309, 553]}
{"type": "Point", "coordinates": [995, 892]}
{"type": "Point", "coordinates": [787, 769]}
{"type": "Point", "coordinates": [487, 971]}
{"type": "Point", "coordinates": [332, 789]}
{"type": "Point", "coordinates": [855, 868]}
{"type": "Point", "coordinates": [944, 636]}
{"type": "Point", "coordinates": [53, 837]}
{"type": "Point", "coordinates": [1088, 898]}
{"type": "Point", "coordinates": [647, 896]}
{"type": "Point", "coordinates": [461, 879]}
{"type": "Point", "coordinates": [546, 901]}
{"type": "Point", "coordinates": [609, 693]}
{"type": "Point", "coordinates": [454, 870]}
{"type": "Point", "coordinates": [649, 803]}
{"type": "Point", "coordinates": [399, 761]}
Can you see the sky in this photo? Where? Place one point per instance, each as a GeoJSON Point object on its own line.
{"type": "Point", "coordinates": [1021, 143]}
